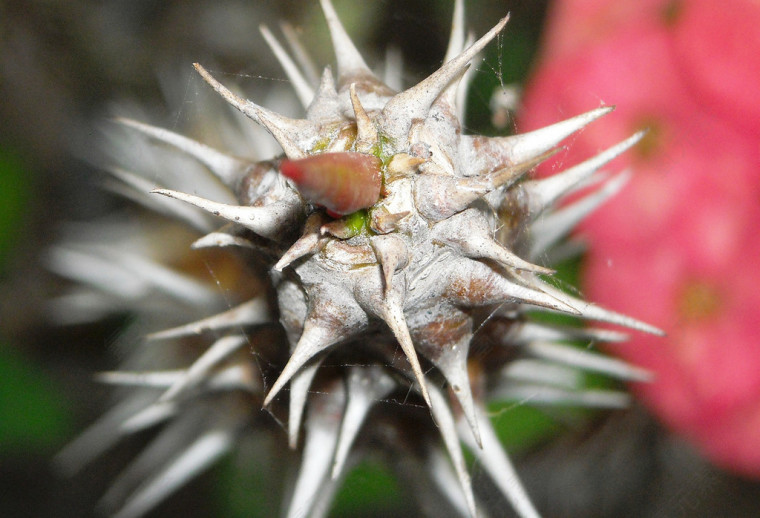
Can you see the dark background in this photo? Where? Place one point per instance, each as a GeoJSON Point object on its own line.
{"type": "Point", "coordinates": [61, 64]}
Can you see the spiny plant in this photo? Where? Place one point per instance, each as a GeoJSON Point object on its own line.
{"type": "Point", "coordinates": [381, 242]}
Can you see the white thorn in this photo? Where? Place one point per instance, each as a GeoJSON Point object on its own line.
{"type": "Point", "coordinates": [497, 464]}
{"type": "Point", "coordinates": [150, 416]}
{"type": "Point", "coordinates": [273, 123]}
{"type": "Point", "coordinates": [281, 128]}
{"type": "Point", "coordinates": [464, 84]}
{"type": "Point", "coordinates": [149, 379]}
{"type": "Point", "coordinates": [548, 230]}
{"type": "Point", "coordinates": [366, 385]}
{"type": "Point", "coordinates": [194, 459]}
{"type": "Point", "coordinates": [590, 311]}
{"type": "Point", "coordinates": [366, 133]}
{"type": "Point", "coordinates": [252, 312]}
{"type": "Point", "coordinates": [414, 103]}
{"type": "Point", "coordinates": [220, 240]}
{"type": "Point", "coordinates": [456, 38]}
{"type": "Point", "coordinates": [447, 426]}
{"type": "Point", "coordinates": [300, 384]}
{"type": "Point", "coordinates": [453, 365]}
{"type": "Point", "coordinates": [326, 105]}
{"type": "Point", "coordinates": [137, 189]}
{"type": "Point", "coordinates": [448, 351]}
{"type": "Point", "coordinates": [304, 92]}
{"type": "Point", "coordinates": [198, 371]}
{"type": "Point", "coordinates": [314, 340]}
{"type": "Point", "coordinates": [443, 475]}
{"type": "Point", "coordinates": [322, 425]}
{"type": "Point", "coordinates": [302, 56]}
{"type": "Point", "coordinates": [350, 61]}
{"type": "Point", "coordinates": [527, 145]}
{"type": "Point", "coordinates": [539, 372]}
{"type": "Point", "coordinates": [265, 221]}
{"type": "Point", "coordinates": [499, 290]}
{"type": "Point", "coordinates": [100, 436]}
{"type": "Point", "coordinates": [528, 332]}
{"type": "Point", "coordinates": [439, 197]}
{"type": "Point", "coordinates": [310, 241]}
{"type": "Point", "coordinates": [228, 169]}
{"type": "Point", "coordinates": [320, 331]}
{"type": "Point", "coordinates": [539, 394]}
{"type": "Point", "coordinates": [587, 360]}
{"type": "Point", "coordinates": [129, 276]}
{"type": "Point", "coordinates": [393, 314]}
{"type": "Point", "coordinates": [469, 232]}
{"type": "Point", "coordinates": [392, 253]}
{"type": "Point", "coordinates": [238, 376]}
{"type": "Point", "coordinates": [394, 69]}
{"type": "Point", "coordinates": [544, 193]}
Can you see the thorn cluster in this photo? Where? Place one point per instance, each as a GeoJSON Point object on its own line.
{"type": "Point", "coordinates": [382, 229]}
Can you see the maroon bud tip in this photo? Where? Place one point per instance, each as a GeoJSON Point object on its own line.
{"type": "Point", "coordinates": [341, 182]}
{"type": "Point", "coordinates": [291, 169]}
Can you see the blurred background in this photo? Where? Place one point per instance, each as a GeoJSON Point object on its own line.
{"type": "Point", "coordinates": [64, 63]}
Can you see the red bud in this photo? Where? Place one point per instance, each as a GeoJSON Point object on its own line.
{"type": "Point", "coordinates": [341, 182]}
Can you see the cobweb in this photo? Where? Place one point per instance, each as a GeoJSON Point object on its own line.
{"type": "Point", "coordinates": [221, 126]}
{"type": "Point", "coordinates": [195, 110]}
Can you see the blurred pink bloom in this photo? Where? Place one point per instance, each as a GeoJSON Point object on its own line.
{"type": "Point", "coordinates": [679, 246]}
{"type": "Point", "coordinates": [717, 45]}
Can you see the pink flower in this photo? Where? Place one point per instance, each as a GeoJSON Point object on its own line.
{"type": "Point", "coordinates": [576, 24]}
{"type": "Point", "coordinates": [717, 45]}
{"type": "Point", "coordinates": [678, 247]}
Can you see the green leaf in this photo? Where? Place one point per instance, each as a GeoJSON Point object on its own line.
{"type": "Point", "coordinates": [14, 190]}
{"type": "Point", "coordinates": [34, 412]}
{"type": "Point", "coordinates": [370, 485]}
{"type": "Point", "coordinates": [520, 427]}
